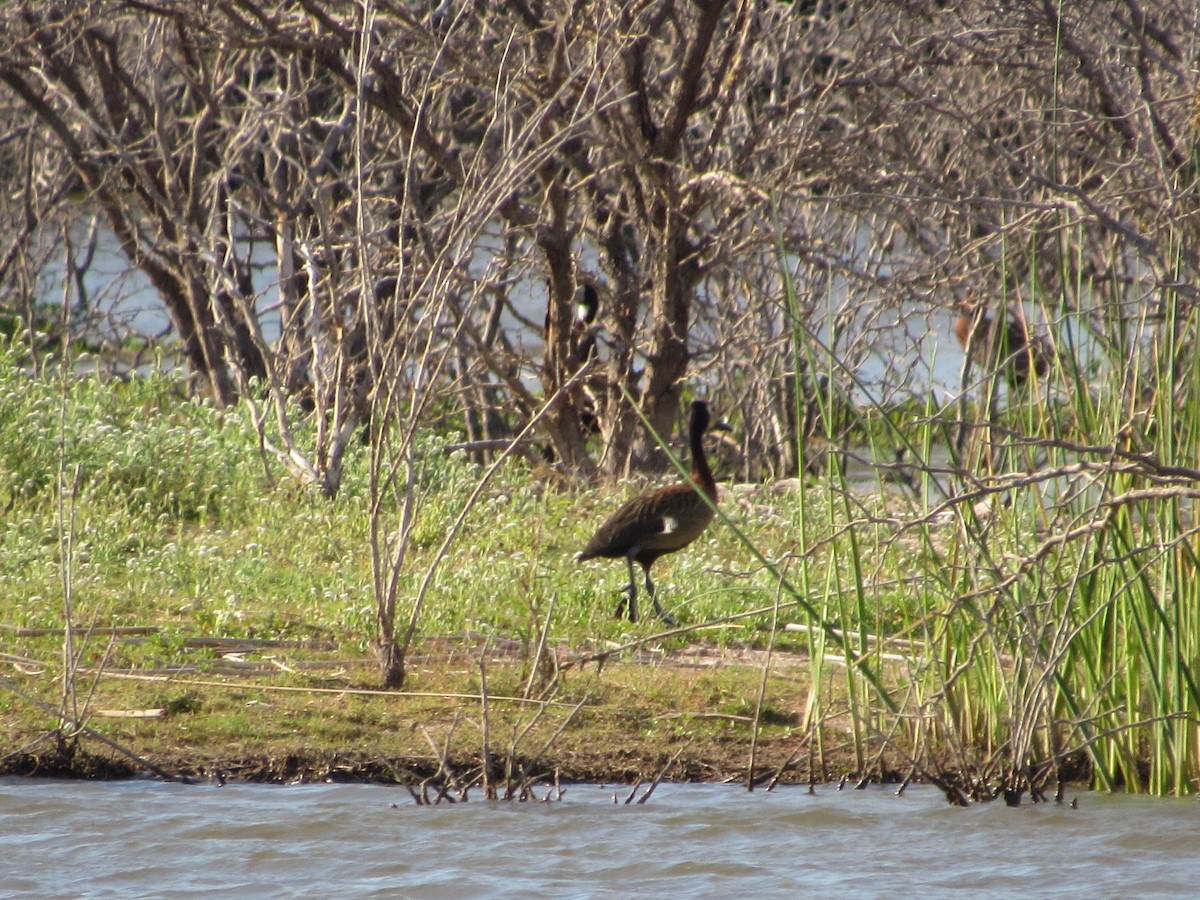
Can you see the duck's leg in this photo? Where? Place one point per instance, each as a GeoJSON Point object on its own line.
{"type": "Point", "coordinates": [667, 618]}
{"type": "Point", "coordinates": [631, 591]}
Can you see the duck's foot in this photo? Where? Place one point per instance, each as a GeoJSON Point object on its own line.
{"type": "Point", "coordinates": [629, 597]}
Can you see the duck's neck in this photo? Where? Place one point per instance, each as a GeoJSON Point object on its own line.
{"type": "Point", "coordinates": [701, 473]}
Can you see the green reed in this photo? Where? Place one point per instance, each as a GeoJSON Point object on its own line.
{"type": "Point", "coordinates": [999, 620]}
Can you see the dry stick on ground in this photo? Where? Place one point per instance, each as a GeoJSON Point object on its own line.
{"type": "Point", "coordinates": [363, 692]}
{"type": "Point", "coordinates": [511, 758]}
{"type": "Point", "coordinates": [601, 656]}
{"type": "Point", "coordinates": [72, 651]}
{"type": "Point", "coordinates": [449, 778]}
{"type": "Point", "coordinates": [91, 732]}
{"type": "Point", "coordinates": [463, 787]}
{"type": "Point", "coordinates": [488, 791]}
{"type": "Point", "coordinates": [541, 648]}
{"type": "Point", "coordinates": [805, 741]}
{"type": "Point", "coordinates": [705, 716]}
{"type": "Point", "coordinates": [762, 691]}
{"type": "Point", "coordinates": [258, 643]}
{"type": "Point", "coordinates": [68, 699]}
{"type": "Point", "coordinates": [119, 630]}
{"type": "Point", "coordinates": [657, 778]}
{"type": "Point", "coordinates": [27, 661]}
{"type": "Point", "coordinates": [26, 748]}
{"type": "Point", "coordinates": [526, 781]}
{"type": "Point", "coordinates": [886, 744]}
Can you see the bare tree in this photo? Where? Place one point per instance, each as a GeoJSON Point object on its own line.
{"type": "Point", "coordinates": [371, 215]}
{"type": "Point", "coordinates": [677, 157]}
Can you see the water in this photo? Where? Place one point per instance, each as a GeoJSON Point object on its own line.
{"type": "Point", "coordinates": [914, 348]}
{"type": "Point", "coordinates": [150, 839]}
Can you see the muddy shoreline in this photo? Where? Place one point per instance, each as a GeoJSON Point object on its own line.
{"type": "Point", "coordinates": [295, 768]}
{"type": "Point", "coordinates": [317, 767]}
{"type": "Point", "coordinates": [678, 717]}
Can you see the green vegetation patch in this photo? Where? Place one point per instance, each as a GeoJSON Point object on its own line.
{"type": "Point", "coordinates": [220, 611]}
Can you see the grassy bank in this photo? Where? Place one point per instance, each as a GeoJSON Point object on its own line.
{"type": "Point", "coordinates": [171, 596]}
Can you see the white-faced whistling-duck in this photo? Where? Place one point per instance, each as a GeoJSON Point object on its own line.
{"type": "Point", "coordinates": [660, 521]}
{"type": "Point", "coordinates": [1010, 347]}
{"type": "Point", "coordinates": [587, 304]}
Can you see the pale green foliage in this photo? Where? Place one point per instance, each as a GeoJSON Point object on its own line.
{"type": "Point", "coordinates": [136, 442]}
{"type": "Point", "coordinates": [177, 524]}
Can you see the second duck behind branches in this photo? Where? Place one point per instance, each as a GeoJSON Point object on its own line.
{"type": "Point", "coordinates": [659, 522]}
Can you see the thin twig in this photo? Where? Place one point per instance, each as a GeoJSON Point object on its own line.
{"type": "Point", "coordinates": [79, 726]}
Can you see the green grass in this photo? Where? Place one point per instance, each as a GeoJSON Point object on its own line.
{"type": "Point", "coordinates": [1019, 656]}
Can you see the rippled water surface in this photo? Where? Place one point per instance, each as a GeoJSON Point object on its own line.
{"type": "Point", "coordinates": [139, 838]}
